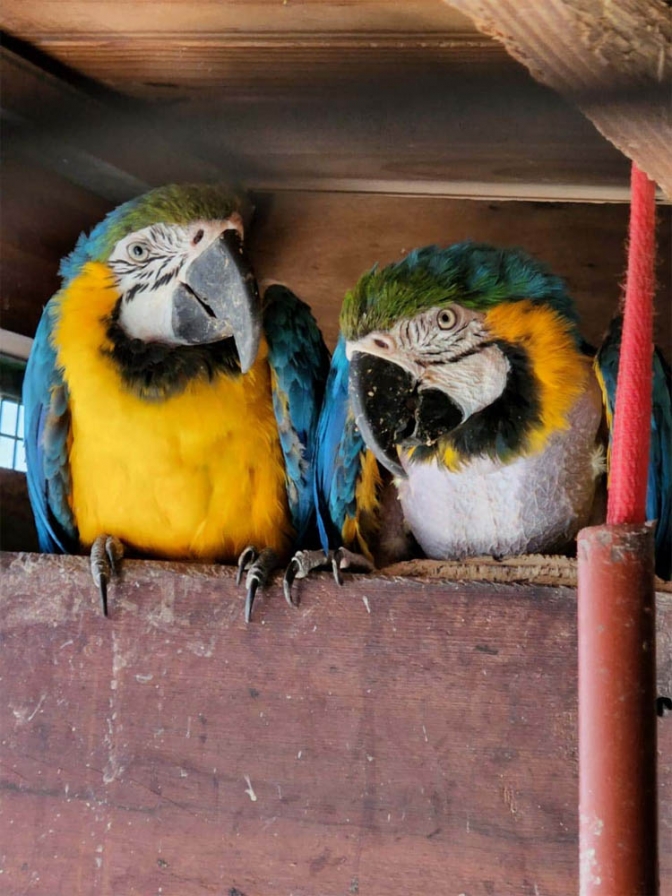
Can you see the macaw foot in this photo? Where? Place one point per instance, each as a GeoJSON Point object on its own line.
{"type": "Point", "coordinates": [304, 562]}
{"type": "Point", "coordinates": [259, 566]}
{"type": "Point", "coordinates": [106, 554]}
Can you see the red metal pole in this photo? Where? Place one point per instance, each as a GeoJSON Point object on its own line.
{"type": "Point", "coordinates": [618, 820]}
{"type": "Point", "coordinates": [617, 718]}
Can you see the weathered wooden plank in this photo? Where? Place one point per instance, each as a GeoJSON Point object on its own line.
{"type": "Point", "coordinates": [415, 112]}
{"type": "Point", "coordinates": [612, 59]}
{"type": "Point", "coordinates": [28, 18]}
{"type": "Point", "coordinates": [423, 740]}
{"type": "Point", "coordinates": [54, 120]}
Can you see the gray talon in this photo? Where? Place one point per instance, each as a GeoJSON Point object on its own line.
{"type": "Point", "coordinates": [291, 573]}
{"type": "Point", "coordinates": [106, 554]}
{"type": "Point", "coordinates": [247, 556]}
{"type": "Point", "coordinates": [261, 566]}
{"type": "Point", "coordinates": [301, 564]}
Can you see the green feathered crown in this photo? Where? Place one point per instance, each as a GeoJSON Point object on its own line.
{"type": "Point", "coordinates": [475, 275]}
{"type": "Point", "coordinates": [172, 204]}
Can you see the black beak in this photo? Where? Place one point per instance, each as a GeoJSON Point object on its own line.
{"type": "Point", "coordinates": [384, 400]}
{"type": "Point", "coordinates": [219, 298]}
{"type": "Point", "coordinates": [390, 410]}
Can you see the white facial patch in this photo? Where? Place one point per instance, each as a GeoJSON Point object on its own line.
{"type": "Point", "coordinates": [148, 265]}
{"type": "Point", "coordinates": [473, 382]}
{"type": "Point", "coordinates": [444, 348]}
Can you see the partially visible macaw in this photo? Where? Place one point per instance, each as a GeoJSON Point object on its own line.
{"type": "Point", "coordinates": [461, 372]}
{"type": "Point", "coordinates": [659, 485]}
{"type": "Point", "coordinates": [169, 409]}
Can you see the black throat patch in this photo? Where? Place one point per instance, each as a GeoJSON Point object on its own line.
{"type": "Point", "coordinates": [501, 428]}
{"type": "Point", "coordinates": [155, 371]}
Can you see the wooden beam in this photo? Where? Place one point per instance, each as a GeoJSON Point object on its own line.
{"type": "Point", "coordinates": [386, 737]}
{"type": "Point", "coordinates": [105, 146]}
{"type": "Point", "coordinates": [613, 60]}
{"type": "Point", "coordinates": [65, 19]}
{"type": "Point", "coordinates": [410, 112]}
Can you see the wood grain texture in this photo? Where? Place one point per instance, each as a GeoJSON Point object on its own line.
{"type": "Point", "coordinates": [614, 60]}
{"type": "Point", "coordinates": [321, 243]}
{"type": "Point", "coordinates": [415, 114]}
{"type": "Point", "coordinates": [420, 741]}
{"type": "Point", "coordinates": [31, 18]}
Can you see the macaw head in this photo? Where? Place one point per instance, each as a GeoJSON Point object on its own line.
{"type": "Point", "coordinates": [176, 256]}
{"type": "Point", "coordinates": [458, 351]}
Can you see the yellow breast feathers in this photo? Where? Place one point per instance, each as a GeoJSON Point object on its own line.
{"type": "Point", "coordinates": [199, 475]}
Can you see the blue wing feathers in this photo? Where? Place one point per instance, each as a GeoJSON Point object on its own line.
{"type": "Point", "coordinates": [339, 450]}
{"type": "Point", "coordinates": [47, 422]}
{"type": "Point", "coordinates": [299, 362]}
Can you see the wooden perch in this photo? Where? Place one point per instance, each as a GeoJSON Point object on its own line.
{"type": "Point", "coordinates": [386, 737]}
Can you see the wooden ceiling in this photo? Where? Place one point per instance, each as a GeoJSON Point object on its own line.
{"type": "Point", "coordinates": [365, 96]}
{"type": "Point", "coordinates": [302, 101]}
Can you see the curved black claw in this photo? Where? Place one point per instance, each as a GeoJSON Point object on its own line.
{"type": "Point", "coordinates": [106, 553]}
{"type": "Point", "coordinates": [336, 569]}
{"type": "Point", "coordinates": [253, 583]}
{"type": "Point", "coordinates": [301, 565]}
{"type": "Point", "coordinates": [288, 580]}
{"type": "Point", "coordinates": [259, 567]}
{"type": "Point", "coordinates": [342, 558]}
{"type": "Point", "coordinates": [102, 588]}
{"type": "Point", "coordinates": [248, 556]}
{"type": "Point", "coordinates": [663, 704]}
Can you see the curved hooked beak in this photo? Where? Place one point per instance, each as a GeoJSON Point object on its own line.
{"type": "Point", "coordinates": [392, 410]}
{"type": "Point", "coordinates": [384, 400]}
{"type": "Point", "coordinates": [218, 298]}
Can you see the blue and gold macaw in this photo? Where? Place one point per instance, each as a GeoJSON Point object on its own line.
{"type": "Point", "coordinates": [169, 409]}
{"type": "Point", "coordinates": [460, 375]}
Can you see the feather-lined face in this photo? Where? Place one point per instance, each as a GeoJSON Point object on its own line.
{"type": "Point", "coordinates": [483, 370]}
{"type": "Point", "coordinates": [187, 284]}
{"type": "Point", "coordinates": [446, 348]}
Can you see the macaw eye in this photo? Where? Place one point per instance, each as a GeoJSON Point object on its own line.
{"type": "Point", "coordinates": [138, 251]}
{"type": "Point", "coordinates": [446, 319]}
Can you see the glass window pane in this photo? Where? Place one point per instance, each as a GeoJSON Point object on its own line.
{"type": "Point", "coordinates": [8, 415]}
{"type": "Point", "coordinates": [19, 431]}
{"type": "Point", "coordinates": [6, 451]}
{"type": "Point", "coordinates": [20, 463]}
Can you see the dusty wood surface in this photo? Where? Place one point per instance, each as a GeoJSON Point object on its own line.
{"type": "Point", "coordinates": [614, 60]}
{"type": "Point", "coordinates": [391, 737]}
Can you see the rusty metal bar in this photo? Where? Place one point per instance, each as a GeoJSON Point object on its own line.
{"type": "Point", "coordinates": [618, 824]}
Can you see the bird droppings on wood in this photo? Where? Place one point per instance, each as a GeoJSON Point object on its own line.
{"type": "Point", "coordinates": [249, 790]}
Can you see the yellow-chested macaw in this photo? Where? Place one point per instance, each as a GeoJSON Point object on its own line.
{"type": "Point", "coordinates": [462, 372]}
{"type": "Point", "coordinates": [169, 409]}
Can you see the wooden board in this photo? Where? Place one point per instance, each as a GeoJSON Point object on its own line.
{"type": "Point", "coordinates": [612, 59]}
{"type": "Point", "coordinates": [396, 736]}
{"type": "Point", "coordinates": [321, 243]}
{"type": "Point", "coordinates": [385, 112]}
{"type": "Point", "coordinates": [108, 18]}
